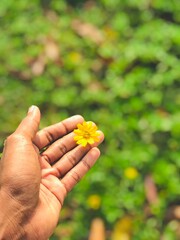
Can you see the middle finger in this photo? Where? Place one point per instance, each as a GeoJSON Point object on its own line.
{"type": "Point", "coordinates": [60, 147]}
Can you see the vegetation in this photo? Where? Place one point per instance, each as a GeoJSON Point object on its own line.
{"type": "Point", "coordinates": [116, 63]}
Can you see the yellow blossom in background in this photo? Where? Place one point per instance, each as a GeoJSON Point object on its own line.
{"type": "Point", "coordinates": [86, 133]}
{"type": "Point", "coordinates": [110, 33]}
{"type": "Point", "coordinates": [94, 201]}
{"type": "Point", "coordinates": [131, 173]}
{"type": "Point", "coordinates": [122, 229]}
{"type": "Point", "coordinates": [75, 57]}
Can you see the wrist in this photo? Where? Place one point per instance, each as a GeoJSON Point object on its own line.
{"type": "Point", "coordinates": [10, 230]}
{"type": "Point", "coordinates": [9, 224]}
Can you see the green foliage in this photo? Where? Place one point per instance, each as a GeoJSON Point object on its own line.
{"type": "Point", "coordinates": [117, 64]}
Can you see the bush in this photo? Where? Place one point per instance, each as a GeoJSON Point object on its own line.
{"type": "Point", "coordinates": [116, 63]}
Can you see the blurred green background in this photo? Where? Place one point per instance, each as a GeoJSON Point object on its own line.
{"type": "Point", "coordinates": [116, 62]}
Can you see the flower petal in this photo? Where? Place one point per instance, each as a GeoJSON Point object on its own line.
{"type": "Point", "coordinates": [86, 133]}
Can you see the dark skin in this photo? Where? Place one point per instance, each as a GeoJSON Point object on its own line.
{"type": "Point", "coordinates": [37, 170]}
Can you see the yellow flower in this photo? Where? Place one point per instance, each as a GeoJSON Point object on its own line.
{"type": "Point", "coordinates": [75, 58]}
{"type": "Point", "coordinates": [122, 229]}
{"type": "Point", "coordinates": [131, 173]}
{"type": "Point", "coordinates": [94, 201]}
{"type": "Point", "coordinates": [86, 133]}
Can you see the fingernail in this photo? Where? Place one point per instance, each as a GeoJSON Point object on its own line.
{"type": "Point", "coordinates": [31, 109]}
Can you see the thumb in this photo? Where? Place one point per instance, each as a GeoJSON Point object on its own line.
{"type": "Point", "coordinates": [30, 124]}
{"type": "Point", "coordinates": [20, 166]}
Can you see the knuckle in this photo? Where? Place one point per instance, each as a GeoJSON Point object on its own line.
{"type": "Point", "coordinates": [49, 136]}
{"type": "Point", "coordinates": [62, 147]}
{"type": "Point", "coordinates": [66, 130]}
{"type": "Point", "coordinates": [46, 158]}
{"type": "Point", "coordinates": [15, 138]}
{"type": "Point", "coordinates": [72, 159]}
{"type": "Point", "coordinates": [75, 176]}
{"type": "Point", "coordinates": [86, 164]}
{"type": "Point", "coordinates": [67, 189]}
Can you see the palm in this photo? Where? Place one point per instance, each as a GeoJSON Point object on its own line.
{"type": "Point", "coordinates": [43, 167]}
{"type": "Point", "coordinates": [46, 215]}
{"type": "Point", "coordinates": [57, 162]}
{"type": "Point", "coordinates": [48, 208]}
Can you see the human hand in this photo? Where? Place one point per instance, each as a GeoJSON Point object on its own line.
{"type": "Point", "coordinates": [37, 170]}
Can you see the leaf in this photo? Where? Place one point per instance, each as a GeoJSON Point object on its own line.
{"type": "Point", "coordinates": [38, 66]}
{"type": "Point", "coordinates": [51, 49]}
{"type": "Point", "coordinates": [87, 30]}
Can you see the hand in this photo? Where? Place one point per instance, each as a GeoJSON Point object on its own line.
{"type": "Point", "coordinates": [37, 170]}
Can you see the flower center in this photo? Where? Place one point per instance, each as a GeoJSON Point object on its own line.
{"type": "Point", "coordinates": [86, 134]}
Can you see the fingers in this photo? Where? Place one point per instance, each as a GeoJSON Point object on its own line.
{"type": "Point", "coordinates": [20, 156]}
{"type": "Point", "coordinates": [50, 134]}
{"type": "Point", "coordinates": [60, 147]}
{"type": "Point", "coordinates": [30, 124]}
{"type": "Point", "coordinates": [76, 173]}
{"type": "Point", "coordinates": [61, 188]}
{"type": "Point", "coordinates": [18, 146]}
{"type": "Point", "coordinates": [71, 158]}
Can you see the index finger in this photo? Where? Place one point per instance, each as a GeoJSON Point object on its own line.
{"type": "Point", "coordinates": [50, 134]}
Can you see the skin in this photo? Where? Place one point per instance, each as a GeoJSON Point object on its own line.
{"type": "Point", "coordinates": [37, 170]}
